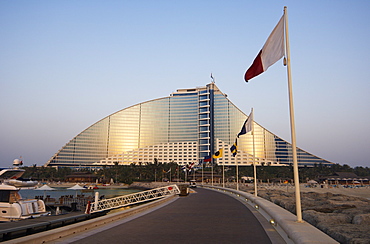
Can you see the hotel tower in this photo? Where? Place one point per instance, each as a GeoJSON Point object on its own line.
{"type": "Point", "coordinates": [183, 128]}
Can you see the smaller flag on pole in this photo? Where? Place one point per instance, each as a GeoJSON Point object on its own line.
{"type": "Point", "coordinates": [207, 159]}
{"type": "Point", "coordinates": [234, 148]}
{"type": "Point", "coordinates": [247, 127]}
{"type": "Point", "coordinates": [218, 154]}
{"type": "Point", "coordinates": [190, 166]}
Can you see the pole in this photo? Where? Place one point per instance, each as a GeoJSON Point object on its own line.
{"type": "Point", "coordinates": [96, 201]}
{"type": "Point", "coordinates": [292, 123]}
{"type": "Point", "coordinates": [212, 172]}
{"type": "Point", "coordinates": [223, 175]}
{"type": "Point", "coordinates": [254, 158]}
{"type": "Point", "coordinates": [203, 173]}
{"type": "Point", "coordinates": [237, 176]}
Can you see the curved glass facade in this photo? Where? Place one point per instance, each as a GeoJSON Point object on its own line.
{"type": "Point", "coordinates": [183, 128]}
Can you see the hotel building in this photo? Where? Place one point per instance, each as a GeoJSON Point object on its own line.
{"type": "Point", "coordinates": [183, 128]}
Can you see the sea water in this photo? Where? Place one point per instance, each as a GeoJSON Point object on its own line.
{"type": "Point", "coordinates": [62, 191]}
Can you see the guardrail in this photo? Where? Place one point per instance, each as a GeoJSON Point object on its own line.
{"type": "Point", "coordinates": [283, 221]}
{"type": "Point", "coordinates": [126, 200]}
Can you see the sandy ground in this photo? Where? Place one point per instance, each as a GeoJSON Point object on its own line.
{"type": "Point", "coordinates": [354, 192]}
{"type": "Point", "coordinates": [363, 192]}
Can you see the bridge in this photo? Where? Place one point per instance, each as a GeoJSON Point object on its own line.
{"type": "Point", "coordinates": [130, 199]}
{"type": "Point", "coordinates": [208, 215]}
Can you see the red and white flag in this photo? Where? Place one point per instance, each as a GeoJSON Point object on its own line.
{"type": "Point", "coordinates": [272, 51]}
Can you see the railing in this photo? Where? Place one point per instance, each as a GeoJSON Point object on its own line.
{"type": "Point", "coordinates": [139, 197]}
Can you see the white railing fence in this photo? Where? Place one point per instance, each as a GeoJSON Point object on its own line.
{"type": "Point", "coordinates": [122, 201]}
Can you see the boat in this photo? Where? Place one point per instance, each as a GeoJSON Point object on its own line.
{"type": "Point", "coordinates": [13, 207]}
{"type": "Point", "coordinates": [11, 173]}
{"type": "Point", "coordinates": [13, 176]}
{"type": "Point", "coordinates": [22, 182]}
{"type": "Point", "coordinates": [92, 187]}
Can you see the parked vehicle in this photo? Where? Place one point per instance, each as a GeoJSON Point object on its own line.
{"type": "Point", "coordinates": [193, 184]}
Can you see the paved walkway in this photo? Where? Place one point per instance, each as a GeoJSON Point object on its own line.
{"type": "Point", "coordinates": [203, 217]}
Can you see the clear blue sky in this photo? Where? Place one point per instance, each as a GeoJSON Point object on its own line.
{"type": "Point", "coordinates": [64, 65]}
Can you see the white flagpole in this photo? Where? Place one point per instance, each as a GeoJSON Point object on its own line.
{"type": "Point", "coordinates": [254, 158]}
{"type": "Point", "coordinates": [292, 123]}
{"type": "Point", "coordinates": [237, 176]}
{"type": "Point", "coordinates": [212, 170]}
{"type": "Point", "coordinates": [223, 175]}
{"type": "Point", "coordinates": [202, 172]}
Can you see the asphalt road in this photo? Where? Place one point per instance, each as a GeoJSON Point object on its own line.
{"type": "Point", "coordinates": [203, 217]}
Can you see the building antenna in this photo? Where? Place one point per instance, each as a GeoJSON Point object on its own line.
{"type": "Point", "coordinates": [213, 79]}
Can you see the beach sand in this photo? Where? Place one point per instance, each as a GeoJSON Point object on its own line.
{"type": "Point", "coordinates": [354, 192]}
{"type": "Point", "coordinates": [363, 192]}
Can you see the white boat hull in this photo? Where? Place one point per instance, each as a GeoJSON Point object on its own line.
{"type": "Point", "coordinates": [23, 209]}
{"type": "Point", "coordinates": [21, 183]}
{"type": "Point", "coordinates": [13, 207]}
